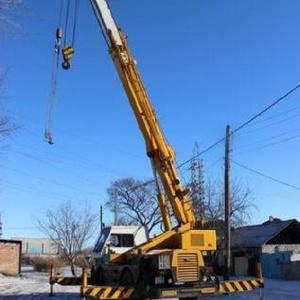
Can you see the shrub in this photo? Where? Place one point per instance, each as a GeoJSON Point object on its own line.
{"type": "Point", "coordinates": [43, 263]}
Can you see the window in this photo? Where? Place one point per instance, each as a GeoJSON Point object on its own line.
{"type": "Point", "coordinates": [122, 240]}
{"type": "Point", "coordinates": [101, 240]}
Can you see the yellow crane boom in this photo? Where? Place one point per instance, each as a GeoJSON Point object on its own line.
{"type": "Point", "coordinates": [161, 154]}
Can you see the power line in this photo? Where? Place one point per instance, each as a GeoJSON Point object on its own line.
{"type": "Point", "coordinates": [266, 176]}
{"type": "Point", "coordinates": [266, 109]}
{"type": "Point", "coordinates": [245, 123]}
{"type": "Point", "coordinates": [285, 120]}
{"type": "Point", "coordinates": [265, 141]}
{"type": "Point", "coordinates": [202, 152]}
{"type": "Point", "coordinates": [53, 182]}
{"type": "Point", "coordinates": [281, 114]}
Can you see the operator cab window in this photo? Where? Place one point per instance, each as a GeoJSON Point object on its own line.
{"type": "Point", "coordinates": [101, 240]}
{"type": "Point", "coordinates": [122, 240]}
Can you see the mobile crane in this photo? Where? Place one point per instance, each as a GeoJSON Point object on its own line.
{"type": "Point", "coordinates": [171, 264]}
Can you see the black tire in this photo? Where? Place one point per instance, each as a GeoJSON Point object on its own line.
{"type": "Point", "coordinates": [126, 279]}
{"type": "Point", "coordinates": [98, 276]}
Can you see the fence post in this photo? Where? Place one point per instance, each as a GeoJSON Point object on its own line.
{"type": "Point", "coordinates": [52, 279]}
{"type": "Point", "coordinates": [84, 282]}
{"type": "Point", "coordinates": [258, 270]}
{"type": "Point", "coordinates": [259, 275]}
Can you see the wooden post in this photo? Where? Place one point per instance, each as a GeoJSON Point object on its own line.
{"type": "Point", "coordinates": [84, 282]}
{"type": "Point", "coordinates": [51, 279]}
{"type": "Point", "coordinates": [259, 275]}
{"type": "Point", "coordinates": [227, 246]}
{"type": "Point", "coordinates": [258, 270]}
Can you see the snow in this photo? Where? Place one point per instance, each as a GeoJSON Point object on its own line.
{"type": "Point", "coordinates": [274, 290]}
{"type": "Point", "coordinates": [34, 285]}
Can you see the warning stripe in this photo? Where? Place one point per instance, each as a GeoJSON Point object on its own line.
{"type": "Point", "coordinates": [108, 292]}
{"type": "Point", "coordinates": [241, 285]}
{"type": "Point", "coordinates": [68, 53]}
{"type": "Point", "coordinates": [68, 280]}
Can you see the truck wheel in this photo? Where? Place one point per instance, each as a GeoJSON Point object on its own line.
{"type": "Point", "coordinates": [126, 279]}
{"type": "Point", "coordinates": [98, 276]}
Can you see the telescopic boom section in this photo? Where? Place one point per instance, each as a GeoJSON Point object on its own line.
{"type": "Point", "coordinates": [161, 154]}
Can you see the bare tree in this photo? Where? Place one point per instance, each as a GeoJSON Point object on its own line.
{"type": "Point", "coordinates": [9, 12]}
{"type": "Point", "coordinates": [214, 202]}
{"type": "Point", "coordinates": [9, 25]}
{"type": "Point", "coordinates": [69, 229]}
{"type": "Point", "coordinates": [137, 202]}
{"type": "Point", "coordinates": [7, 126]}
{"type": "Point", "coordinates": [242, 205]}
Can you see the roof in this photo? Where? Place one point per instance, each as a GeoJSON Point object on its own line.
{"type": "Point", "coordinates": [4, 241]}
{"type": "Point", "coordinates": [257, 235]}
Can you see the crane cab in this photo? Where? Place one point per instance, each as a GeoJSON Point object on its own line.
{"type": "Point", "coordinates": [117, 239]}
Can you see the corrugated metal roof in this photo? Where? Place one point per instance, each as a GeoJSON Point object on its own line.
{"type": "Point", "coordinates": [257, 235]}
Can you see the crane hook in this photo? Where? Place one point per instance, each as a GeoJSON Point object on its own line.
{"type": "Point", "coordinates": [58, 36]}
{"type": "Point", "coordinates": [67, 52]}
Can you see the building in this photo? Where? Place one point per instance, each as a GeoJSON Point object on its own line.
{"type": "Point", "coordinates": [38, 246]}
{"type": "Point", "coordinates": [275, 243]}
{"type": "Point", "coordinates": [10, 257]}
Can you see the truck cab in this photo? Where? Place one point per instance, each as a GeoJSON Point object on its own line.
{"type": "Point", "coordinates": [118, 239]}
{"type": "Point", "coordinates": [113, 240]}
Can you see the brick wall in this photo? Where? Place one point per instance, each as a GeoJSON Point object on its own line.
{"type": "Point", "coordinates": [10, 257]}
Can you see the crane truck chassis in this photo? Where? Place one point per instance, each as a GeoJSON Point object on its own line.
{"type": "Point", "coordinates": [88, 290]}
{"type": "Point", "coordinates": [119, 239]}
{"type": "Point", "coordinates": [171, 264]}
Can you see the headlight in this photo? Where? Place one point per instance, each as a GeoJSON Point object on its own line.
{"type": "Point", "coordinates": [164, 262]}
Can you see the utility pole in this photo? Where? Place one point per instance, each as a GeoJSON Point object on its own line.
{"type": "Point", "coordinates": [116, 222]}
{"type": "Point", "coordinates": [227, 244]}
{"type": "Point", "coordinates": [101, 218]}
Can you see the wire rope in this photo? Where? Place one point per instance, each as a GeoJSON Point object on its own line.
{"type": "Point", "coordinates": [53, 86]}
{"type": "Point", "coordinates": [66, 22]}
{"type": "Point", "coordinates": [75, 22]}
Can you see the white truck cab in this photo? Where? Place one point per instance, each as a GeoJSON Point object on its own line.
{"type": "Point", "coordinates": [118, 239]}
{"type": "Point", "coordinates": [113, 239]}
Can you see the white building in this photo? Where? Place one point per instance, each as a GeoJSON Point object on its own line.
{"type": "Point", "coordinates": [38, 246]}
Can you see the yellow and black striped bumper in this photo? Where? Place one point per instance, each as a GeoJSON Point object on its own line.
{"type": "Point", "coordinates": [66, 280]}
{"type": "Point", "coordinates": [108, 292]}
{"type": "Point", "coordinates": [241, 285]}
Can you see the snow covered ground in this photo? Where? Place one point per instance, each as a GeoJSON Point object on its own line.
{"type": "Point", "coordinates": [33, 285]}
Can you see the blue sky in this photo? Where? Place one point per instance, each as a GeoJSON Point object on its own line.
{"type": "Point", "coordinates": [205, 64]}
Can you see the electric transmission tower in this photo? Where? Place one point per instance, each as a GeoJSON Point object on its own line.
{"type": "Point", "coordinates": [197, 183]}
